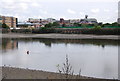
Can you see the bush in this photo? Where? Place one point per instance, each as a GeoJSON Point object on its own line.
{"type": "Point", "coordinates": [44, 30]}
{"type": "Point", "coordinates": [5, 30]}
{"type": "Point", "coordinates": [97, 27]}
{"type": "Point", "coordinates": [98, 31]}
{"type": "Point", "coordinates": [21, 30]}
{"type": "Point", "coordinates": [5, 26]}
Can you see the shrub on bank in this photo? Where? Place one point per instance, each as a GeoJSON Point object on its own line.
{"type": "Point", "coordinates": [44, 30]}
{"type": "Point", "coordinates": [97, 27]}
{"type": "Point", "coordinates": [5, 30]}
{"type": "Point", "coordinates": [21, 31]}
{"type": "Point", "coordinates": [95, 31]}
{"type": "Point", "coordinates": [98, 31]}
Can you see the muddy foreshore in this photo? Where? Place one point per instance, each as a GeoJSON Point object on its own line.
{"type": "Point", "coordinates": [13, 73]}
{"type": "Point", "coordinates": [21, 73]}
{"type": "Point", "coordinates": [60, 36]}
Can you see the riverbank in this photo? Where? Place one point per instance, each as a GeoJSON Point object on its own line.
{"type": "Point", "coordinates": [20, 73]}
{"type": "Point", "coordinates": [60, 36]}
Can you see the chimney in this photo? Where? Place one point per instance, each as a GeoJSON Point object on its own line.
{"type": "Point", "coordinates": [86, 16]}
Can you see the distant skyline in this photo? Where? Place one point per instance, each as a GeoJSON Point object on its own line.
{"type": "Point", "coordinates": [102, 10]}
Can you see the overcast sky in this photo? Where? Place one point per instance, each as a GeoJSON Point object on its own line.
{"type": "Point", "coordinates": [102, 10]}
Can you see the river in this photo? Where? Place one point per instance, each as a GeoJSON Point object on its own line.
{"type": "Point", "coordinates": [95, 58]}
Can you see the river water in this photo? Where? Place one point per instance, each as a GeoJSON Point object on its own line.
{"type": "Point", "coordinates": [95, 58]}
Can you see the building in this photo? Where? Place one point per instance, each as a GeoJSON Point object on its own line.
{"type": "Point", "coordinates": [118, 20]}
{"type": "Point", "coordinates": [61, 21]}
{"type": "Point", "coordinates": [118, 12]}
{"type": "Point", "coordinates": [24, 25]}
{"type": "Point", "coordinates": [31, 20]}
{"type": "Point", "coordinates": [74, 20]}
{"type": "Point", "coordinates": [0, 22]}
{"type": "Point", "coordinates": [9, 21]}
{"type": "Point", "coordinates": [51, 20]}
{"type": "Point", "coordinates": [87, 20]}
{"type": "Point", "coordinates": [40, 22]}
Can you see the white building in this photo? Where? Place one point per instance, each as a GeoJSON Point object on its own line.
{"type": "Point", "coordinates": [74, 20]}
{"type": "Point", "coordinates": [51, 20]}
{"type": "Point", "coordinates": [87, 20]}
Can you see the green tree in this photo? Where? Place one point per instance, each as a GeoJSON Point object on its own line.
{"type": "Point", "coordinates": [49, 25]}
{"type": "Point", "coordinates": [100, 24]}
{"type": "Point", "coordinates": [77, 24]}
{"type": "Point", "coordinates": [5, 26]}
{"type": "Point", "coordinates": [115, 24]}
{"type": "Point", "coordinates": [97, 27]}
{"type": "Point", "coordinates": [55, 24]}
{"type": "Point", "coordinates": [84, 25]}
{"type": "Point", "coordinates": [91, 24]}
{"type": "Point", "coordinates": [63, 25]}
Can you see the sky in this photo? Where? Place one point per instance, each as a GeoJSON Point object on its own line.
{"type": "Point", "coordinates": [103, 10]}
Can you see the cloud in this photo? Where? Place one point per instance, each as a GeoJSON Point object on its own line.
{"type": "Point", "coordinates": [24, 6]}
{"type": "Point", "coordinates": [8, 1]}
{"type": "Point", "coordinates": [71, 11]}
{"type": "Point", "coordinates": [77, 0]}
{"type": "Point", "coordinates": [43, 11]}
{"type": "Point", "coordinates": [106, 10]}
{"type": "Point", "coordinates": [35, 5]}
{"type": "Point", "coordinates": [81, 13]}
{"type": "Point", "coordinates": [27, 1]}
{"type": "Point", "coordinates": [13, 8]}
{"type": "Point", "coordinates": [95, 10]}
{"type": "Point", "coordinates": [24, 9]}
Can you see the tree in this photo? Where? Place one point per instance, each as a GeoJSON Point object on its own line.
{"type": "Point", "coordinates": [77, 24]}
{"type": "Point", "coordinates": [107, 24]}
{"type": "Point", "coordinates": [5, 26]}
{"type": "Point", "coordinates": [84, 25]}
{"type": "Point", "coordinates": [91, 24]}
{"type": "Point", "coordinates": [115, 24]}
{"type": "Point", "coordinates": [97, 27]}
{"type": "Point", "coordinates": [55, 24]}
{"type": "Point", "coordinates": [63, 25]}
{"type": "Point", "coordinates": [100, 24]}
{"type": "Point", "coordinates": [48, 25]}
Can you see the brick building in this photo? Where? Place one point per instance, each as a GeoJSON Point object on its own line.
{"type": "Point", "coordinates": [9, 21]}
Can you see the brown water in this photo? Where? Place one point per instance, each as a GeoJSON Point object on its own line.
{"type": "Point", "coordinates": [95, 58]}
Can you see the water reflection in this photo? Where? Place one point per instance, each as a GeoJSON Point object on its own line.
{"type": "Point", "coordinates": [13, 43]}
{"type": "Point", "coordinates": [9, 44]}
